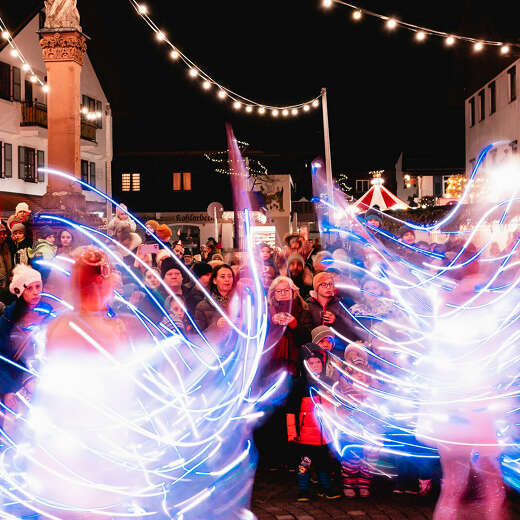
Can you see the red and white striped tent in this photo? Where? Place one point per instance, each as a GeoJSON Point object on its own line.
{"type": "Point", "coordinates": [378, 195]}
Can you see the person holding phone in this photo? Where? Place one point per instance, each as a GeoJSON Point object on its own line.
{"type": "Point", "coordinates": [290, 324]}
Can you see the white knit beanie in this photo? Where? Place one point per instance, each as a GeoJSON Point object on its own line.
{"type": "Point", "coordinates": [22, 206]}
{"type": "Point", "coordinates": [23, 276]}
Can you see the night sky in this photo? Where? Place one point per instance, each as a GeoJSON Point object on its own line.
{"type": "Point", "coordinates": [386, 92]}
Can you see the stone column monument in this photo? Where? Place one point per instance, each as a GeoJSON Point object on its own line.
{"type": "Point", "coordinates": [63, 48]}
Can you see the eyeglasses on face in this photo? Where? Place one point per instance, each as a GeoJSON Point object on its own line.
{"type": "Point", "coordinates": [281, 292]}
{"type": "Point", "coordinates": [327, 285]}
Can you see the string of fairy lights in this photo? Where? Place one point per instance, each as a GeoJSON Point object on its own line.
{"type": "Point", "coordinates": [209, 84]}
{"type": "Point", "coordinates": [220, 159]}
{"type": "Point", "coordinates": [34, 78]}
{"type": "Point", "coordinates": [17, 53]}
{"type": "Point", "coordinates": [421, 34]}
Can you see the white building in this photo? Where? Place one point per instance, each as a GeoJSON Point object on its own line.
{"type": "Point", "coordinates": [23, 126]}
{"type": "Point", "coordinates": [493, 115]}
{"type": "Point", "coordinates": [421, 175]}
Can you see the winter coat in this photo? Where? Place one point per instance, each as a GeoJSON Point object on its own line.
{"type": "Point", "coordinates": [114, 223]}
{"type": "Point", "coordinates": [19, 251]}
{"type": "Point", "coordinates": [303, 425]}
{"type": "Point", "coordinates": [16, 344]}
{"type": "Point", "coordinates": [284, 342]}
{"type": "Point", "coordinates": [6, 264]}
{"type": "Point", "coordinates": [42, 250]}
{"type": "Point", "coordinates": [343, 324]}
{"type": "Point", "coordinates": [206, 315]}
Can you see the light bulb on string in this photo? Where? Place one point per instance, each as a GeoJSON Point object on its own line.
{"type": "Point", "coordinates": [193, 73]}
{"type": "Point", "coordinates": [315, 103]}
{"type": "Point", "coordinates": [285, 112]}
{"type": "Point", "coordinates": [142, 9]}
{"type": "Point", "coordinates": [357, 15]}
{"type": "Point", "coordinates": [306, 108]}
{"type": "Point", "coordinates": [46, 88]}
{"type": "Point", "coordinates": [14, 53]}
{"type": "Point", "coordinates": [505, 49]}
{"type": "Point", "coordinates": [249, 108]}
{"type": "Point", "coordinates": [5, 35]}
{"type": "Point", "coordinates": [160, 36]}
{"type": "Point", "coordinates": [478, 46]}
{"type": "Point", "coordinates": [33, 79]}
{"type": "Point", "coordinates": [174, 54]}
{"type": "Point", "coordinates": [221, 94]}
{"type": "Point", "coordinates": [26, 67]}
{"type": "Point", "coordinates": [237, 105]}
{"type": "Point", "coordinates": [327, 4]}
{"type": "Point", "coordinates": [84, 110]}
{"type": "Point", "coordinates": [420, 36]}
{"type": "Point", "coordinates": [206, 85]}
{"type": "Point", "coordinates": [450, 41]}
{"type": "Point", "coordinates": [294, 111]}
{"type": "Point", "coordinates": [261, 111]}
{"type": "Point", "coordinates": [275, 112]}
{"type": "Point", "coordinates": [391, 23]}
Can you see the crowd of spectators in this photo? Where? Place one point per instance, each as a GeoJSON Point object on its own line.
{"type": "Point", "coordinates": [316, 300]}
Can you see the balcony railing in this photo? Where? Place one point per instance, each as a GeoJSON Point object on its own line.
{"type": "Point", "coordinates": [35, 114]}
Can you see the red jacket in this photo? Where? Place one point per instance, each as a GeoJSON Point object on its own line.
{"type": "Point", "coordinates": [310, 430]}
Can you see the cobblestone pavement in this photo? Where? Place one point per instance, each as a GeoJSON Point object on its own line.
{"type": "Point", "coordinates": [274, 498]}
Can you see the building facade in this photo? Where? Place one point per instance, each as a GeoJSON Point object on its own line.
{"type": "Point", "coordinates": [23, 126]}
{"type": "Point", "coordinates": [493, 115]}
{"type": "Point", "coordinates": [176, 188]}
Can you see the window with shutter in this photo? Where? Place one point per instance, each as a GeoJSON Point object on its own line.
{"type": "Point", "coordinates": [17, 84]}
{"type": "Point", "coordinates": [8, 160]}
{"type": "Point", "coordinates": [5, 81]}
{"type": "Point", "coordinates": [84, 174]}
{"type": "Point", "coordinates": [40, 159]}
{"type": "Point", "coordinates": [99, 111]}
{"type": "Point", "coordinates": [92, 174]}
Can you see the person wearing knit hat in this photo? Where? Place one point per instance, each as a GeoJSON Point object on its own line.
{"type": "Point", "coordinates": [299, 274]}
{"type": "Point", "coordinates": [406, 235]}
{"type": "Point", "coordinates": [172, 275]}
{"type": "Point", "coordinates": [374, 220]}
{"type": "Point", "coordinates": [118, 218]}
{"type": "Point", "coordinates": [323, 336]}
{"type": "Point", "coordinates": [19, 244]}
{"type": "Point", "coordinates": [195, 295]}
{"type": "Point", "coordinates": [164, 233]}
{"type": "Point", "coordinates": [17, 327]}
{"type": "Point", "coordinates": [304, 426]}
{"type": "Point", "coordinates": [23, 277]}
{"type": "Point", "coordinates": [326, 308]}
{"type": "Point", "coordinates": [152, 225]}
{"type": "Point", "coordinates": [43, 250]}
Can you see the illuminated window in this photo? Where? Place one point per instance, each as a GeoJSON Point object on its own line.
{"type": "Point", "coordinates": [177, 181]}
{"type": "Point", "coordinates": [130, 182]}
{"type": "Point", "coordinates": [186, 181]}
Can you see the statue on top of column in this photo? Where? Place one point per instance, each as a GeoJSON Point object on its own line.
{"type": "Point", "coordinates": [61, 14]}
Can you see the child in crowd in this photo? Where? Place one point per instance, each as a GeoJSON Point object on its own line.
{"type": "Point", "coordinates": [119, 218]}
{"type": "Point", "coordinates": [357, 460]}
{"type": "Point", "coordinates": [305, 428]}
{"type": "Point", "coordinates": [177, 315]}
{"type": "Point", "coordinates": [324, 338]}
